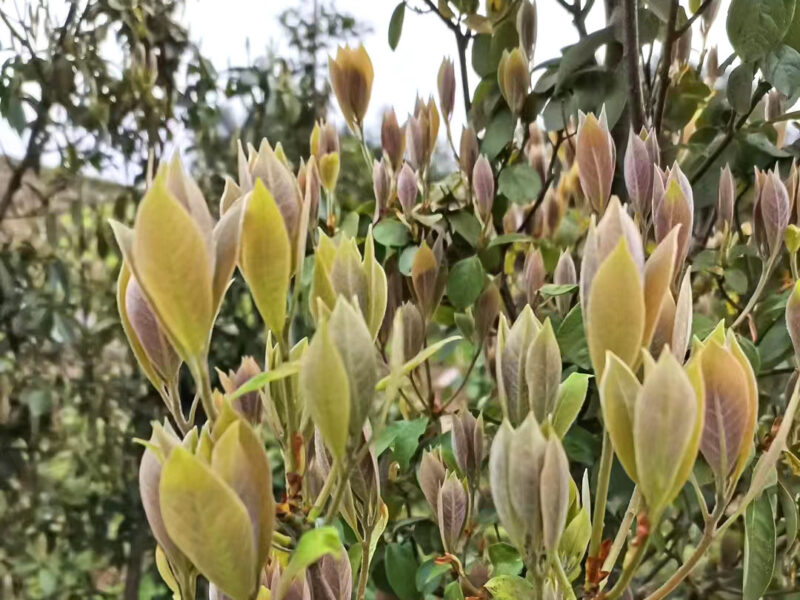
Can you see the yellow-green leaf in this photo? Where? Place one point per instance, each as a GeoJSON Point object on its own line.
{"type": "Point", "coordinates": [240, 460]}
{"type": "Point", "coordinates": [657, 278]}
{"type": "Point", "coordinates": [666, 416]}
{"type": "Point", "coordinates": [266, 256]}
{"type": "Point", "coordinates": [615, 316]}
{"type": "Point", "coordinates": [171, 263]}
{"type": "Point", "coordinates": [208, 523]}
{"type": "Point", "coordinates": [619, 390]}
{"type": "Point", "coordinates": [327, 391]}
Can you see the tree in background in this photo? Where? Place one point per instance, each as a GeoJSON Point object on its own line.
{"type": "Point", "coordinates": [96, 89]}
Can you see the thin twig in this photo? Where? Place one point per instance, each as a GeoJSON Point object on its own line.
{"type": "Point", "coordinates": [666, 63]}
{"type": "Point", "coordinates": [635, 96]}
{"type": "Point", "coordinates": [699, 13]}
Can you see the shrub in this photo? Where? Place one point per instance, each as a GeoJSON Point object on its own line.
{"type": "Point", "coordinates": [444, 395]}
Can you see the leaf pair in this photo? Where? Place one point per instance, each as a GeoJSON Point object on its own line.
{"type": "Point", "coordinates": [182, 263]}
{"type": "Point", "coordinates": [338, 376]}
{"type": "Point", "coordinates": [655, 427]}
{"type": "Point", "coordinates": [214, 502]}
{"type": "Point", "coordinates": [340, 271]}
{"type": "Point", "coordinates": [528, 363]}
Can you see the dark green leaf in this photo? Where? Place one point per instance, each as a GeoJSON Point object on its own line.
{"type": "Point", "coordinates": [391, 232]}
{"type": "Point", "coordinates": [481, 55]}
{"type": "Point", "coordinates": [759, 547]}
{"type": "Point", "coordinates": [498, 134]}
{"type": "Point", "coordinates": [740, 87]}
{"type": "Point", "coordinates": [519, 183]}
{"type": "Point", "coordinates": [509, 238]}
{"type": "Point", "coordinates": [403, 439]}
{"type": "Point", "coordinates": [465, 282]}
{"type": "Point", "coordinates": [579, 54]}
{"type": "Point", "coordinates": [505, 559]}
{"type": "Point", "coordinates": [789, 510]}
{"type": "Point", "coordinates": [453, 591]}
{"type": "Point", "coordinates": [396, 25]}
{"type": "Point", "coordinates": [401, 570]}
{"type": "Point", "coordinates": [429, 575]}
{"type": "Point", "coordinates": [782, 70]}
{"type": "Point", "coordinates": [510, 587]}
{"type": "Point", "coordinates": [756, 26]}
{"type": "Point", "coordinates": [552, 289]}
{"type": "Point", "coordinates": [466, 225]}
{"type": "Point", "coordinates": [572, 339]}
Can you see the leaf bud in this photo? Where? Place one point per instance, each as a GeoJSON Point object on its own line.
{"type": "Point", "coordinates": [351, 78]}
{"type": "Point", "coordinates": [446, 85]}
{"type": "Point", "coordinates": [483, 185]}
{"type": "Point", "coordinates": [393, 139]}
{"type": "Point", "coordinates": [407, 189]}
{"type": "Point", "coordinates": [595, 154]}
{"type": "Point", "coordinates": [514, 79]}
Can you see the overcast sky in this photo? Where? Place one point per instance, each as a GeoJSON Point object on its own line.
{"type": "Point", "coordinates": [223, 27]}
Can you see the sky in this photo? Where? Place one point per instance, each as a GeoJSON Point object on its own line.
{"type": "Point", "coordinates": [223, 33]}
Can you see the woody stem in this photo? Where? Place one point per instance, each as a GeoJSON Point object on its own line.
{"type": "Point", "coordinates": [601, 495]}
{"type": "Point", "coordinates": [762, 281]}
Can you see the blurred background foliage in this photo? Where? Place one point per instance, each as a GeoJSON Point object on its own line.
{"type": "Point", "coordinates": [109, 83]}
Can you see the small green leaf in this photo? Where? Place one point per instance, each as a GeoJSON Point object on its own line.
{"type": "Point", "coordinates": [790, 514]}
{"type": "Point", "coordinates": [403, 439]}
{"type": "Point", "coordinates": [401, 569]}
{"type": "Point", "coordinates": [740, 87]}
{"type": "Point", "coordinates": [552, 289]}
{"type": "Point", "coordinates": [509, 238]}
{"type": "Point", "coordinates": [208, 522]}
{"type": "Point", "coordinates": [509, 587]}
{"type": "Point", "coordinates": [396, 25]}
{"type": "Point", "coordinates": [259, 381]}
{"type": "Point", "coordinates": [572, 339]}
{"type": "Point", "coordinates": [519, 183]}
{"type": "Point", "coordinates": [391, 232]}
{"type": "Point", "coordinates": [759, 548]}
{"type": "Point", "coordinates": [420, 358]}
{"type": "Point", "coordinates": [498, 133]}
{"type": "Point", "coordinates": [505, 559]}
{"type": "Point", "coordinates": [782, 70]}
{"type": "Point", "coordinates": [406, 259]}
{"type": "Point", "coordinates": [571, 395]}
{"type": "Point", "coordinates": [430, 574]}
{"type": "Point", "coordinates": [756, 26]}
{"type": "Point", "coordinates": [453, 591]}
{"type": "Point", "coordinates": [313, 545]}
{"type": "Point", "coordinates": [466, 225]}
{"type": "Point", "coordinates": [465, 282]}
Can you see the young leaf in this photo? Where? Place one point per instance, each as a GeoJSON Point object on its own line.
{"type": "Point", "coordinates": [313, 545]}
{"type": "Point", "coordinates": [509, 587]}
{"type": "Point", "coordinates": [571, 395]}
{"type": "Point", "coordinates": [170, 261]}
{"type": "Point", "coordinates": [759, 547]}
{"type": "Point", "coordinates": [396, 25]}
{"type": "Point", "coordinates": [266, 257]}
{"type": "Point", "coordinates": [615, 318]}
{"type": "Point", "coordinates": [327, 390]}
{"type": "Point", "coordinates": [208, 523]}
{"type": "Point", "coordinates": [401, 569]}
{"type": "Point", "coordinates": [465, 282]}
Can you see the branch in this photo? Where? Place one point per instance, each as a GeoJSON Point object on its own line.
{"type": "Point", "coordinates": [762, 89]}
{"type": "Point", "coordinates": [462, 39]}
{"type": "Point", "coordinates": [636, 100]}
{"type": "Point", "coordinates": [699, 13]}
{"type": "Point", "coordinates": [666, 63]}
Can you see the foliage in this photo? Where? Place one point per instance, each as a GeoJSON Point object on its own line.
{"type": "Point", "coordinates": [447, 407]}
